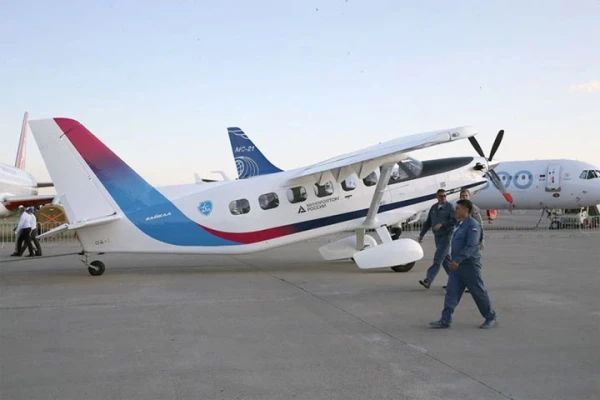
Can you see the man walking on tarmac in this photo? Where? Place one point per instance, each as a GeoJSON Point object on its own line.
{"type": "Point", "coordinates": [441, 219]}
{"type": "Point", "coordinates": [465, 270]}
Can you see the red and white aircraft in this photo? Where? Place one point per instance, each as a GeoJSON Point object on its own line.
{"type": "Point", "coordinates": [17, 186]}
{"type": "Point", "coordinates": [114, 210]}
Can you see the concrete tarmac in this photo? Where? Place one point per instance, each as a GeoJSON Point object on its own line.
{"type": "Point", "coordinates": [284, 324]}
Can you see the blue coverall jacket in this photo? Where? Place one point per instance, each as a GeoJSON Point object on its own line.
{"type": "Point", "coordinates": [445, 216]}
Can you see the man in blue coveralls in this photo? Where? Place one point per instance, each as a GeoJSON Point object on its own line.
{"type": "Point", "coordinates": [465, 270]}
{"type": "Point", "coordinates": [441, 219]}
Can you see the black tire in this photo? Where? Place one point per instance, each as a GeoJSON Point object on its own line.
{"type": "Point", "coordinates": [96, 268]}
{"type": "Point", "coordinates": [555, 225]}
{"type": "Point", "coordinates": [403, 267]}
{"type": "Point", "coordinates": [395, 232]}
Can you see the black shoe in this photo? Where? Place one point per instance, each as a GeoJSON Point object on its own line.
{"type": "Point", "coordinates": [38, 254]}
{"type": "Point", "coordinates": [439, 324]}
{"type": "Point", "coordinates": [489, 323]}
{"type": "Point", "coordinates": [15, 255]}
{"type": "Point", "coordinates": [425, 283]}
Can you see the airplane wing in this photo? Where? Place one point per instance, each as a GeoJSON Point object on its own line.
{"type": "Point", "coordinates": [365, 161]}
{"type": "Point", "coordinates": [11, 203]}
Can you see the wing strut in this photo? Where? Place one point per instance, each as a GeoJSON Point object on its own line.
{"type": "Point", "coordinates": [371, 220]}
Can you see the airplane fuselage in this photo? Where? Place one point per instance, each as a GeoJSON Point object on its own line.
{"type": "Point", "coordinates": [259, 213]}
{"type": "Point", "coordinates": [15, 182]}
{"type": "Point", "coordinates": [543, 184]}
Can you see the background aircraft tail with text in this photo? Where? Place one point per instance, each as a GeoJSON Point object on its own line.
{"type": "Point", "coordinates": [249, 160]}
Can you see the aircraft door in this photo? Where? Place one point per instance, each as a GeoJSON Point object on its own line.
{"type": "Point", "coordinates": [553, 178]}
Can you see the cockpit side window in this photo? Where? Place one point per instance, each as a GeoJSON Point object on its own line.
{"type": "Point", "coordinates": [590, 174]}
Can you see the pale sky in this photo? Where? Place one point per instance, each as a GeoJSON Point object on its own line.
{"type": "Point", "coordinates": [159, 82]}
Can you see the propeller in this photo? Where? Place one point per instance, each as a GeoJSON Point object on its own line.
{"type": "Point", "coordinates": [490, 171]}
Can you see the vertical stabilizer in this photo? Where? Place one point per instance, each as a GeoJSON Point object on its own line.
{"type": "Point", "coordinates": [249, 161]}
{"type": "Point", "coordinates": [21, 153]}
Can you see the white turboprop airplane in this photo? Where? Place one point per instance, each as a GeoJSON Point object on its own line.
{"type": "Point", "coordinates": [544, 184]}
{"type": "Point", "coordinates": [534, 185]}
{"type": "Point", "coordinates": [17, 186]}
{"type": "Point", "coordinates": [114, 210]}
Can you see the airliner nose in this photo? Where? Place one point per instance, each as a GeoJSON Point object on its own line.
{"type": "Point", "coordinates": [591, 195]}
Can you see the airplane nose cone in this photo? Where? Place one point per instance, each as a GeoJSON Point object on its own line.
{"type": "Point", "coordinates": [591, 196]}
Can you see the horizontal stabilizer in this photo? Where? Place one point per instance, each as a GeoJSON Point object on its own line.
{"type": "Point", "coordinates": [13, 202]}
{"type": "Point", "coordinates": [391, 254]}
{"type": "Point", "coordinates": [80, 225]}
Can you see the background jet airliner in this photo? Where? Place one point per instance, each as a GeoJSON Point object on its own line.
{"type": "Point", "coordinates": [533, 185]}
{"type": "Point", "coordinates": [17, 186]}
{"type": "Point", "coordinates": [114, 210]}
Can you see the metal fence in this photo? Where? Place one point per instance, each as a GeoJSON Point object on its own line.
{"type": "Point", "coordinates": [529, 222]}
{"type": "Point", "coordinates": [7, 234]}
{"type": "Point", "coordinates": [518, 223]}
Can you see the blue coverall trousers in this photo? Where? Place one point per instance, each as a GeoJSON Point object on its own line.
{"type": "Point", "coordinates": [442, 246]}
{"type": "Point", "coordinates": [469, 276]}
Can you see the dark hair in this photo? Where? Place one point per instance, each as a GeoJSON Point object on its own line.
{"type": "Point", "coordinates": [440, 191]}
{"type": "Point", "coordinates": [467, 204]}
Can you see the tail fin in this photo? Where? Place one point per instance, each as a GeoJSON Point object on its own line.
{"type": "Point", "coordinates": [249, 160]}
{"type": "Point", "coordinates": [91, 180]}
{"type": "Point", "coordinates": [94, 184]}
{"type": "Point", "coordinates": [21, 150]}
{"type": "Point", "coordinates": [71, 153]}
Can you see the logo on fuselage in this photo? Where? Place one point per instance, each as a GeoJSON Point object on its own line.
{"type": "Point", "coordinates": [205, 207]}
{"type": "Point", "coordinates": [157, 216]}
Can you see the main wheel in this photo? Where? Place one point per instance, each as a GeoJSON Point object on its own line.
{"type": "Point", "coordinates": [96, 268]}
{"type": "Point", "coordinates": [404, 267]}
{"type": "Point", "coordinates": [555, 225]}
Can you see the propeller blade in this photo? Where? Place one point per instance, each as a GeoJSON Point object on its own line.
{"type": "Point", "coordinates": [496, 144]}
{"type": "Point", "coordinates": [476, 146]}
{"type": "Point", "coordinates": [499, 185]}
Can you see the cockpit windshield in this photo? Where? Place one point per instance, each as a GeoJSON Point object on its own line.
{"type": "Point", "coordinates": [406, 170]}
{"type": "Point", "coordinates": [414, 166]}
{"type": "Point", "coordinates": [589, 174]}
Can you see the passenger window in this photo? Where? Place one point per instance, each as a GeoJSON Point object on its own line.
{"type": "Point", "coordinates": [325, 190]}
{"type": "Point", "coordinates": [349, 184]}
{"type": "Point", "coordinates": [238, 207]}
{"type": "Point", "coordinates": [296, 194]}
{"type": "Point", "coordinates": [371, 179]}
{"type": "Point", "coordinates": [268, 201]}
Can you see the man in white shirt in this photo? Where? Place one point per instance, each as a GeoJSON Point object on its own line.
{"type": "Point", "coordinates": [21, 212]}
{"type": "Point", "coordinates": [34, 233]}
{"type": "Point", "coordinates": [23, 233]}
